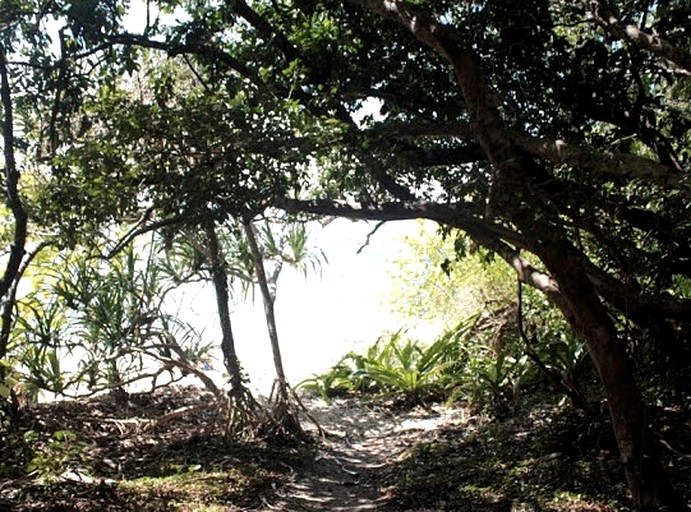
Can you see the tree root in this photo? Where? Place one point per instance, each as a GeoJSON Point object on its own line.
{"type": "Point", "coordinates": [244, 414]}
{"type": "Point", "coordinates": [277, 420]}
{"type": "Point", "coordinates": [283, 415]}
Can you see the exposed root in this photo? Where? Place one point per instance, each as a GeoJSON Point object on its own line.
{"type": "Point", "coordinates": [244, 414]}
{"type": "Point", "coordinates": [277, 420]}
{"type": "Point", "coordinates": [306, 412]}
{"type": "Point", "coordinates": [283, 415]}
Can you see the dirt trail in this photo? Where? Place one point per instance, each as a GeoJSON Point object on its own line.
{"type": "Point", "coordinates": [347, 471]}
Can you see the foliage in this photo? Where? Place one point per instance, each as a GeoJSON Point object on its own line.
{"type": "Point", "coordinates": [92, 324]}
{"type": "Point", "coordinates": [501, 363]}
{"type": "Point", "coordinates": [392, 364]}
{"type": "Point", "coordinates": [283, 241]}
{"type": "Point", "coordinates": [552, 339]}
{"type": "Point", "coordinates": [482, 361]}
{"type": "Point", "coordinates": [60, 453]}
{"type": "Point", "coordinates": [395, 364]}
{"type": "Point", "coordinates": [436, 278]}
{"type": "Point", "coordinates": [440, 277]}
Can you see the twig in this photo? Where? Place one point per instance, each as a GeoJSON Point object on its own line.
{"type": "Point", "coordinates": [370, 235]}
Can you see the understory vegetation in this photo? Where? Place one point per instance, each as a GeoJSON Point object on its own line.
{"type": "Point", "coordinates": [474, 362]}
{"type": "Point", "coordinates": [106, 454]}
{"type": "Point", "coordinates": [153, 147]}
{"type": "Point", "coordinates": [511, 342]}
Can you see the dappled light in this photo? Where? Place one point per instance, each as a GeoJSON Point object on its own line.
{"type": "Point", "coordinates": [171, 169]}
{"type": "Point", "coordinates": [367, 454]}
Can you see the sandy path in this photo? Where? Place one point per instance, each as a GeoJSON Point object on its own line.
{"type": "Point", "coordinates": [347, 471]}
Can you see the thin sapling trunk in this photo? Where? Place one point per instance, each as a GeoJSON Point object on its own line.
{"type": "Point", "coordinates": [283, 416]}
{"type": "Point", "coordinates": [242, 405]}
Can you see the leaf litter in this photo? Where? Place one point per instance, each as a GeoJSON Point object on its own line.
{"type": "Point", "coordinates": [164, 451]}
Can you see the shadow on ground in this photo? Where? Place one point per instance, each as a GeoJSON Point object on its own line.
{"type": "Point", "coordinates": [538, 458]}
{"type": "Point", "coordinates": [106, 455]}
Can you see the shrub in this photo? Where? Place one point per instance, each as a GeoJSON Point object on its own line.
{"type": "Point", "coordinates": [395, 364]}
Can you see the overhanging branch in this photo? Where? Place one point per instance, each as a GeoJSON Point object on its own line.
{"type": "Point", "coordinates": [491, 236]}
{"type": "Point", "coordinates": [432, 157]}
{"type": "Point", "coordinates": [616, 164]}
{"type": "Point", "coordinates": [423, 129]}
{"type": "Point", "coordinates": [457, 215]}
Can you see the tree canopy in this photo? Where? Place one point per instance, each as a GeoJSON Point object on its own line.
{"type": "Point", "coordinates": [557, 130]}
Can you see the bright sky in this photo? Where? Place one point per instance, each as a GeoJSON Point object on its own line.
{"type": "Point", "coordinates": [318, 320]}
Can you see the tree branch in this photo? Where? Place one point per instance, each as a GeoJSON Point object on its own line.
{"type": "Point", "coordinates": [444, 156]}
{"type": "Point", "coordinates": [142, 227]}
{"type": "Point", "coordinates": [268, 31]}
{"type": "Point", "coordinates": [173, 50]}
{"type": "Point", "coordinates": [370, 235]}
{"type": "Point", "coordinates": [414, 130]}
{"type": "Point", "coordinates": [462, 216]}
{"type": "Point", "coordinates": [616, 164]}
{"type": "Point", "coordinates": [653, 43]}
{"type": "Point", "coordinates": [482, 232]}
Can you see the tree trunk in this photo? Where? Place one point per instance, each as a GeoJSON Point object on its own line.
{"type": "Point", "coordinates": [648, 483]}
{"type": "Point", "coordinates": [219, 276]}
{"type": "Point", "coordinates": [243, 410]}
{"type": "Point", "coordinates": [268, 300]}
{"type": "Point", "coordinates": [14, 204]}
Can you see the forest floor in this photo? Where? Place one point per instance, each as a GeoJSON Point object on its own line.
{"type": "Point", "coordinates": [163, 452]}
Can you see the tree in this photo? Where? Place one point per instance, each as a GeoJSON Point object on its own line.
{"type": "Point", "coordinates": [557, 130]}
{"type": "Point", "coordinates": [536, 194]}
{"type": "Point", "coordinates": [236, 257]}
{"type": "Point", "coordinates": [18, 258]}
{"type": "Point", "coordinates": [242, 404]}
{"type": "Point", "coordinates": [440, 277]}
{"type": "Point", "coordinates": [289, 247]}
{"type": "Point", "coordinates": [283, 416]}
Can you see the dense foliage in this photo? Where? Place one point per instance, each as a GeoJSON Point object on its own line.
{"type": "Point", "coordinates": [555, 134]}
{"type": "Point", "coordinates": [92, 325]}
